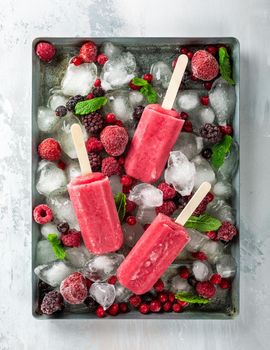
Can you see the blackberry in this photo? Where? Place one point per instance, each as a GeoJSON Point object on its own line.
{"type": "Point", "coordinates": [61, 111]}
{"type": "Point", "coordinates": [93, 122]}
{"type": "Point", "coordinates": [138, 111]}
{"type": "Point", "coordinates": [211, 133]}
{"type": "Point", "coordinates": [206, 153]}
{"type": "Point", "coordinates": [63, 227]}
{"type": "Point", "coordinates": [98, 92]}
{"type": "Point", "coordinates": [91, 304]}
{"type": "Point", "coordinates": [72, 101]}
{"type": "Point", "coordinates": [52, 302]}
{"type": "Point", "coordinates": [95, 161]}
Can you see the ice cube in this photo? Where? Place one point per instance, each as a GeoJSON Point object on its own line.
{"type": "Point", "coordinates": [221, 210]}
{"type": "Point", "coordinates": [132, 233]}
{"type": "Point", "coordinates": [136, 98]}
{"type": "Point", "coordinates": [201, 270]}
{"type": "Point", "coordinates": [64, 135]}
{"type": "Point", "coordinates": [146, 195]}
{"type": "Point", "coordinates": [47, 120]}
{"type": "Point", "coordinates": [146, 215]}
{"type": "Point", "coordinates": [213, 250]}
{"type": "Point", "coordinates": [73, 170]}
{"type": "Point", "coordinates": [62, 209]}
{"type": "Point", "coordinates": [78, 257]}
{"type": "Point", "coordinates": [197, 239]}
{"type": "Point", "coordinates": [161, 73]}
{"type": "Point", "coordinates": [201, 116]}
{"type": "Point", "coordinates": [188, 100]}
{"type": "Point", "coordinates": [44, 253]}
{"type": "Point", "coordinates": [118, 103]}
{"type": "Point", "coordinates": [101, 267]}
{"type": "Point", "coordinates": [49, 178]}
{"type": "Point", "coordinates": [189, 144]}
{"type": "Point", "coordinates": [179, 284]}
{"type": "Point", "coordinates": [103, 293]}
{"type": "Point", "coordinates": [115, 183]}
{"type": "Point", "coordinates": [53, 273]}
{"type": "Point", "coordinates": [122, 294]}
{"type": "Point", "coordinates": [223, 189]}
{"type": "Point", "coordinates": [226, 266]}
{"type": "Point", "coordinates": [49, 228]}
{"type": "Point", "coordinates": [180, 173]}
{"type": "Point", "coordinates": [78, 80]}
{"type": "Point", "coordinates": [230, 165]}
{"type": "Point", "coordinates": [204, 172]}
{"type": "Point", "coordinates": [118, 71]}
{"type": "Point", "coordinates": [111, 50]}
{"type": "Point", "coordinates": [222, 98]}
{"type": "Point", "coordinates": [56, 100]}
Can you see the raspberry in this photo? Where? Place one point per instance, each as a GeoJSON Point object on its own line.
{"type": "Point", "coordinates": [166, 307]}
{"type": "Point", "coordinates": [74, 288]}
{"type": "Point", "coordinates": [91, 304]}
{"type": "Point", "coordinates": [212, 235]}
{"type": "Point", "coordinates": [224, 284]}
{"type": "Point", "coordinates": [114, 139]}
{"type": "Point", "coordinates": [215, 278]}
{"type": "Point", "coordinates": [123, 307]}
{"type": "Point", "coordinates": [42, 214]}
{"type": "Point", "coordinates": [177, 307]}
{"type": "Point", "coordinates": [98, 92]}
{"type": "Point", "coordinates": [63, 227]}
{"type": "Point", "coordinates": [155, 306]}
{"type": "Point", "coordinates": [135, 300]}
{"type": "Point", "coordinates": [126, 180]}
{"type": "Point", "coordinates": [97, 83]}
{"type": "Point", "coordinates": [61, 111]}
{"type": "Point", "coordinates": [205, 289]}
{"type": "Point", "coordinates": [71, 239]}
{"type": "Point", "coordinates": [211, 133]}
{"type": "Point", "coordinates": [94, 145]}
{"type": "Point", "coordinates": [131, 220]}
{"type": "Point", "coordinates": [110, 166]}
{"type": "Point", "coordinates": [199, 256]}
{"type": "Point", "coordinates": [100, 312]}
{"type": "Point", "coordinates": [52, 302]}
{"type": "Point", "coordinates": [95, 161]}
{"type": "Point", "coordinates": [102, 59]}
{"type": "Point", "coordinates": [144, 308]}
{"type": "Point", "coordinates": [162, 297]}
{"type": "Point", "coordinates": [184, 272]}
{"type": "Point", "coordinates": [209, 197]}
{"type": "Point", "coordinates": [166, 208]}
{"type": "Point", "coordinates": [130, 206]}
{"type": "Point", "coordinates": [77, 60]}
{"type": "Point", "coordinates": [148, 77]}
{"type": "Point", "coordinates": [93, 122]}
{"type": "Point", "coordinates": [205, 100]}
{"type": "Point", "coordinates": [168, 191]}
{"type": "Point", "coordinates": [112, 280]}
{"type": "Point", "coordinates": [113, 310]}
{"type": "Point", "coordinates": [204, 65]}
{"type": "Point", "coordinates": [49, 149]}
{"type": "Point", "coordinates": [88, 52]}
{"type": "Point", "coordinates": [159, 286]}
{"type": "Point", "coordinates": [45, 51]}
{"type": "Point", "coordinates": [72, 101]}
{"type": "Point", "coordinates": [226, 232]}
{"type": "Point", "coordinates": [110, 118]}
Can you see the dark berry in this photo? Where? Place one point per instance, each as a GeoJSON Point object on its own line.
{"type": "Point", "coordinates": [98, 92]}
{"type": "Point", "coordinates": [211, 133]}
{"type": "Point", "coordinates": [199, 255]}
{"type": "Point", "coordinates": [206, 153]}
{"type": "Point", "coordinates": [112, 280]}
{"type": "Point", "coordinates": [138, 111]}
{"type": "Point", "coordinates": [208, 85]}
{"type": "Point", "coordinates": [95, 161]}
{"type": "Point", "coordinates": [212, 235]}
{"type": "Point", "coordinates": [72, 101]}
{"type": "Point", "coordinates": [63, 227]}
{"type": "Point", "coordinates": [91, 304]}
{"type": "Point", "coordinates": [226, 129]}
{"type": "Point", "coordinates": [205, 289]}
{"type": "Point", "coordinates": [123, 307]}
{"type": "Point", "coordinates": [93, 122]}
{"type": "Point", "coordinates": [226, 232]}
{"type": "Point", "coordinates": [52, 302]}
{"type": "Point", "coordinates": [171, 297]}
{"type": "Point", "coordinates": [183, 115]}
{"type": "Point", "coordinates": [212, 49]}
{"type": "Point", "coordinates": [184, 272]}
{"type": "Point", "coordinates": [184, 50]}
{"type": "Point", "coordinates": [61, 111]}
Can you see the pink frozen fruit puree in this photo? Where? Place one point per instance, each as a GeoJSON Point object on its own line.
{"type": "Point", "coordinates": [154, 252]}
{"type": "Point", "coordinates": [152, 142]}
{"type": "Point", "coordinates": [95, 209]}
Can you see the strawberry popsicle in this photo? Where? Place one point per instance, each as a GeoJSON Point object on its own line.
{"type": "Point", "coordinates": [157, 248]}
{"type": "Point", "coordinates": [93, 203]}
{"type": "Point", "coordinates": [156, 133]}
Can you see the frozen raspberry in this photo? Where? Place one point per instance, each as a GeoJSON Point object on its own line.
{"type": "Point", "coordinates": [114, 139]}
{"type": "Point", "coordinates": [215, 278]}
{"type": "Point", "coordinates": [88, 52]}
{"type": "Point", "coordinates": [166, 307]}
{"type": "Point", "coordinates": [168, 191]}
{"type": "Point", "coordinates": [159, 286]}
{"type": "Point", "coordinates": [199, 256]}
{"type": "Point", "coordinates": [100, 312]}
{"type": "Point", "coordinates": [49, 149]}
{"type": "Point", "coordinates": [144, 308]}
{"type": "Point", "coordinates": [226, 232]}
{"type": "Point", "coordinates": [94, 145]}
{"type": "Point", "coordinates": [167, 208]}
{"type": "Point", "coordinates": [113, 310]}
{"type": "Point", "coordinates": [93, 122]}
{"type": "Point", "coordinates": [45, 51]}
{"type": "Point", "coordinates": [184, 272]}
{"type": "Point", "coordinates": [110, 166]}
{"type": "Point", "coordinates": [74, 288]}
{"type": "Point", "coordinates": [71, 239]}
{"type": "Point", "coordinates": [130, 206]}
{"type": "Point", "coordinates": [201, 207]}
{"type": "Point", "coordinates": [102, 59]}
{"type": "Point", "coordinates": [135, 300]}
{"type": "Point", "coordinates": [211, 133]}
{"type": "Point", "coordinates": [72, 101]}
{"type": "Point", "coordinates": [42, 214]}
{"type": "Point", "coordinates": [204, 65]}
{"type": "Point", "coordinates": [177, 307]}
{"type": "Point", "coordinates": [205, 289]}
{"type": "Point", "coordinates": [224, 284]}
{"type": "Point", "coordinates": [155, 306]}
{"type": "Point", "coordinates": [163, 297]}
{"type": "Point", "coordinates": [95, 161]}
{"type": "Point", "coordinates": [91, 304]}
{"type": "Point", "coordinates": [123, 307]}
{"type": "Point", "coordinates": [52, 302]}
{"type": "Point", "coordinates": [61, 111]}
{"type": "Point", "coordinates": [88, 283]}
{"type": "Point", "coordinates": [77, 60]}
{"type": "Point", "coordinates": [112, 280]}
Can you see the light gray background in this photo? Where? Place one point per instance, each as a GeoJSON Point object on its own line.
{"type": "Point", "coordinates": [20, 22]}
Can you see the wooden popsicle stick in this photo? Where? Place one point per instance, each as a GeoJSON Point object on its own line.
{"type": "Point", "coordinates": [175, 82]}
{"type": "Point", "coordinates": [193, 203]}
{"type": "Point", "coordinates": [78, 140]}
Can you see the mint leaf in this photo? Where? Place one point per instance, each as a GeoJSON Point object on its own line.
{"type": "Point", "coordinates": [139, 82]}
{"type": "Point", "coordinates": [203, 223]}
{"type": "Point", "coordinates": [191, 298]}
{"type": "Point", "coordinates": [59, 251]}
{"type": "Point", "coordinates": [149, 93]}
{"type": "Point", "coordinates": [120, 202]}
{"type": "Point", "coordinates": [225, 65]}
{"type": "Point", "coordinates": [220, 150]}
{"type": "Point", "coordinates": [89, 106]}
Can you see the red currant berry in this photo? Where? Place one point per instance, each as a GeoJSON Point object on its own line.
{"type": "Point", "coordinates": [183, 115]}
{"type": "Point", "coordinates": [166, 307]}
{"type": "Point", "coordinates": [190, 55]}
{"type": "Point", "coordinates": [135, 300]}
{"type": "Point", "coordinates": [200, 256]}
{"type": "Point", "coordinates": [171, 297]}
{"type": "Point", "coordinates": [126, 180]}
{"type": "Point", "coordinates": [163, 297]}
{"type": "Point", "coordinates": [184, 273]}
{"type": "Point", "coordinates": [148, 77]}
{"type": "Point", "coordinates": [174, 62]}
{"type": "Point", "coordinates": [215, 278]}
{"type": "Point", "coordinates": [61, 165]}
{"type": "Point", "coordinates": [133, 86]}
{"type": "Point", "coordinates": [131, 220]}
{"type": "Point", "coordinates": [145, 226]}
{"type": "Point", "coordinates": [159, 286]}
{"type": "Point", "coordinates": [212, 235]}
{"type": "Point", "coordinates": [123, 307]}
{"type": "Point", "coordinates": [205, 100]}
{"type": "Point", "coordinates": [100, 312]}
{"type": "Point", "coordinates": [90, 96]}
{"type": "Point", "coordinates": [97, 83]}
{"type": "Point", "coordinates": [110, 118]}
{"type": "Point", "coordinates": [77, 60]}
{"type": "Point", "coordinates": [119, 123]}
{"type": "Point", "coordinates": [144, 308]}
{"type": "Point", "coordinates": [121, 160]}
{"type": "Point", "coordinates": [88, 283]}
{"type": "Point", "coordinates": [102, 59]}
{"type": "Point", "coordinates": [224, 284]}
{"type": "Point", "coordinates": [155, 306]}
{"type": "Point", "coordinates": [193, 78]}
{"type": "Point", "coordinates": [183, 303]}
{"type": "Point", "coordinates": [112, 280]}
{"type": "Point", "coordinates": [212, 49]}
{"type": "Point", "coordinates": [187, 127]}
{"type": "Point", "coordinates": [113, 310]}
{"type": "Point", "coordinates": [226, 129]}
{"type": "Point", "coordinates": [184, 50]}
{"type": "Point", "coordinates": [177, 307]}
{"type": "Point", "coordinates": [208, 85]}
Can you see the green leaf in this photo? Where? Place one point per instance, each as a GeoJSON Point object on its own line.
{"type": "Point", "coordinates": [191, 298]}
{"type": "Point", "coordinates": [120, 202]}
{"type": "Point", "coordinates": [59, 251]}
{"type": "Point", "coordinates": [225, 65]}
{"type": "Point", "coordinates": [149, 93]}
{"type": "Point", "coordinates": [203, 223]}
{"type": "Point", "coordinates": [89, 106]}
{"type": "Point", "coordinates": [139, 82]}
{"type": "Point", "coordinates": [220, 150]}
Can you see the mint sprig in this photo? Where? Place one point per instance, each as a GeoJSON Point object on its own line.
{"type": "Point", "coordinates": [220, 150]}
{"type": "Point", "coordinates": [89, 106]}
{"type": "Point", "coordinates": [120, 202]}
{"type": "Point", "coordinates": [146, 89]}
{"type": "Point", "coordinates": [203, 223]}
{"type": "Point", "coordinates": [225, 65]}
{"type": "Point", "coordinates": [59, 251]}
{"type": "Point", "coordinates": [191, 298]}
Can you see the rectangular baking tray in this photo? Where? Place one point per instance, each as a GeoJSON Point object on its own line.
{"type": "Point", "coordinates": [45, 76]}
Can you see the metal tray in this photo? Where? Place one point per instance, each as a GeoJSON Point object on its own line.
{"type": "Point", "coordinates": [45, 77]}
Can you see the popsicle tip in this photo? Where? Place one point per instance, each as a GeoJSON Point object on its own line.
{"type": "Point", "coordinates": [75, 127]}
{"type": "Point", "coordinates": [183, 58]}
